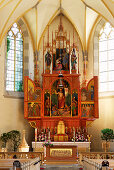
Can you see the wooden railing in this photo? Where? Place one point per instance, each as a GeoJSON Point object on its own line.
{"type": "Point", "coordinates": [25, 164]}
{"type": "Point", "coordinates": [32, 164]}
{"type": "Point", "coordinates": [96, 164]}
{"type": "Point", "coordinates": [91, 164]}
{"type": "Point", "coordinates": [40, 155]}
{"type": "Point", "coordinates": [22, 155]}
{"type": "Point", "coordinates": [96, 155]}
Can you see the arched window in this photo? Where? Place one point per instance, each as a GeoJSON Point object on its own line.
{"type": "Point", "coordinates": [106, 59]}
{"type": "Point", "coordinates": [14, 59]}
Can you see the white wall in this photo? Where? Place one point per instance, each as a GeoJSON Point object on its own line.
{"type": "Point", "coordinates": [106, 104]}
{"type": "Point", "coordinates": [11, 109]}
{"type": "Point", "coordinates": [106, 120]}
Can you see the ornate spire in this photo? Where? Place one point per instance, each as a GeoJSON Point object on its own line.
{"type": "Point", "coordinates": [23, 146]}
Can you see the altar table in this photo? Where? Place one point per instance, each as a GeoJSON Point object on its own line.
{"type": "Point", "coordinates": [81, 146]}
{"type": "Point", "coordinates": [61, 153]}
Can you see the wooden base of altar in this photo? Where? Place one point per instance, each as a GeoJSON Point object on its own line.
{"type": "Point", "coordinates": [61, 154]}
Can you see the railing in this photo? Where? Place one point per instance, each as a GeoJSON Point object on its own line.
{"type": "Point", "coordinates": [31, 165]}
{"type": "Point", "coordinates": [96, 164]}
{"type": "Point", "coordinates": [91, 164]}
{"type": "Point", "coordinates": [21, 164]}
{"type": "Point", "coordinates": [96, 155]}
{"type": "Point", "coordinates": [93, 160]}
{"type": "Point", "coordinates": [22, 155]}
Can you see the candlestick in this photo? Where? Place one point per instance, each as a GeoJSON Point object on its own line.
{"type": "Point", "coordinates": [89, 138]}
{"type": "Point", "coordinates": [35, 134]}
{"type": "Point", "coordinates": [74, 133]}
{"type": "Point", "coordinates": [49, 135]}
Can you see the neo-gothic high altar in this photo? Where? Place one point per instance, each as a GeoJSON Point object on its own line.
{"type": "Point", "coordinates": [62, 98]}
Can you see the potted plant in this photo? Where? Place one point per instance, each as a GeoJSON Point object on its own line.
{"type": "Point", "coordinates": [107, 135]}
{"type": "Point", "coordinates": [15, 138]}
{"type": "Point", "coordinates": [4, 138]}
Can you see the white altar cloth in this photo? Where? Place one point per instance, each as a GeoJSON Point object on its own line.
{"type": "Point", "coordinates": [82, 146]}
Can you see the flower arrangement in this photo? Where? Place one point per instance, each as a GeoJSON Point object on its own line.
{"type": "Point", "coordinates": [47, 143]}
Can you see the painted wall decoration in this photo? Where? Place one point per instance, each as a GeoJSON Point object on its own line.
{"type": "Point", "coordinates": [60, 99]}
{"type": "Point", "coordinates": [34, 109]}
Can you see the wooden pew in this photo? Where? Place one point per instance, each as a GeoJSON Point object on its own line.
{"type": "Point", "coordinates": [7, 164]}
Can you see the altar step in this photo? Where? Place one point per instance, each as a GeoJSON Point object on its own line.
{"type": "Point", "coordinates": [60, 162]}
{"type": "Point", "coordinates": [61, 167]}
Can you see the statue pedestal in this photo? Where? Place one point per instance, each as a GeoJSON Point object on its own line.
{"type": "Point", "coordinates": [105, 146]}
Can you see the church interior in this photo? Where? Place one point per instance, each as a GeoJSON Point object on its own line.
{"type": "Point", "coordinates": [57, 74]}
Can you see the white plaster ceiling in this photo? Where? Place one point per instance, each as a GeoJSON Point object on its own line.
{"type": "Point", "coordinates": [82, 14]}
{"type": "Point", "coordinates": [110, 5]}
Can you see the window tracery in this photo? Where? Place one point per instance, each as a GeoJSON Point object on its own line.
{"type": "Point", "coordinates": [14, 59]}
{"type": "Point", "coordinates": [106, 59]}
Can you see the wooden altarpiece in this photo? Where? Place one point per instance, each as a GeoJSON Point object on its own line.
{"type": "Point", "coordinates": [61, 97]}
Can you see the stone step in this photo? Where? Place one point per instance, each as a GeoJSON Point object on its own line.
{"type": "Point", "coordinates": [61, 167]}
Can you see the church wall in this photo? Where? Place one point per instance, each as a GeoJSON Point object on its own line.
{"type": "Point", "coordinates": [11, 108]}
{"type": "Point", "coordinates": [106, 120]}
{"type": "Point", "coordinates": [106, 104]}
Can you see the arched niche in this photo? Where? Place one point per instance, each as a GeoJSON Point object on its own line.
{"type": "Point", "coordinates": [61, 98]}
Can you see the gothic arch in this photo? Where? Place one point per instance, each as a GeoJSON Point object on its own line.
{"type": "Point", "coordinates": [52, 19]}
{"type": "Point", "coordinates": [25, 45]}
{"type": "Point", "coordinates": [96, 46]}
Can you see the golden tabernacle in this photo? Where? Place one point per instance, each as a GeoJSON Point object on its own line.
{"type": "Point", "coordinates": [60, 136]}
{"type": "Point", "coordinates": [61, 128]}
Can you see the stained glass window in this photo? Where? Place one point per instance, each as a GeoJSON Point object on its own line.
{"type": "Point", "coordinates": [106, 59]}
{"type": "Point", "coordinates": [14, 59]}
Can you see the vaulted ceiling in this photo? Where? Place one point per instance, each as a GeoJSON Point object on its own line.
{"type": "Point", "coordinates": [37, 14]}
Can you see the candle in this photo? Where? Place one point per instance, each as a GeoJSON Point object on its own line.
{"type": "Point", "coordinates": [35, 134]}
{"type": "Point", "coordinates": [74, 132]}
{"type": "Point", "coordinates": [49, 135]}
